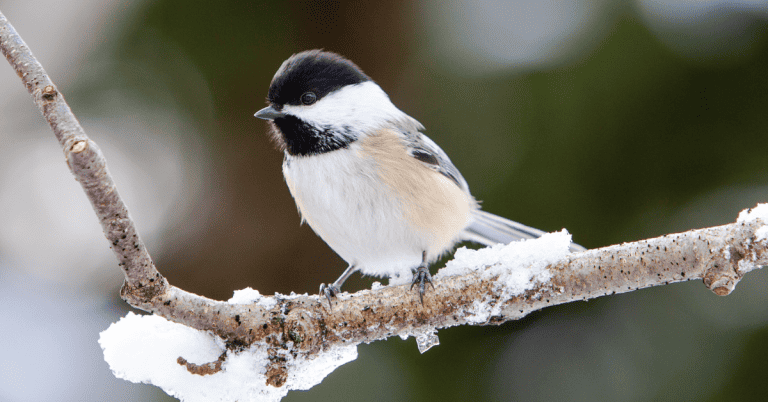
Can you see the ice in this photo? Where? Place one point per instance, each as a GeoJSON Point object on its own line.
{"type": "Point", "coordinates": [427, 340]}
{"type": "Point", "coordinates": [144, 349]}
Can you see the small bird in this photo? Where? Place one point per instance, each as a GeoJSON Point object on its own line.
{"type": "Point", "coordinates": [366, 179]}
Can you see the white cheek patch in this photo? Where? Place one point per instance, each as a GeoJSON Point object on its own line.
{"type": "Point", "coordinates": [362, 107]}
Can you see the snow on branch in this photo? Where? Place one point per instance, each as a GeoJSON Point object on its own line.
{"type": "Point", "coordinates": [255, 347]}
{"type": "Point", "coordinates": [296, 340]}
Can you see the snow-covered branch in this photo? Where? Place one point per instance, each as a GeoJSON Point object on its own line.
{"type": "Point", "coordinates": [492, 285]}
{"type": "Point", "coordinates": [291, 337]}
{"type": "Point", "coordinates": [283, 335]}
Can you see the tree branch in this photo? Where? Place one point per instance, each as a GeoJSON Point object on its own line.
{"type": "Point", "coordinates": [87, 163]}
{"type": "Point", "coordinates": [720, 256]}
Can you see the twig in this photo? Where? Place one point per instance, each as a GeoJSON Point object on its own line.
{"type": "Point", "coordinates": [719, 255]}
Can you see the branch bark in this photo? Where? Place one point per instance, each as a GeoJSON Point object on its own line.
{"type": "Point", "coordinates": [720, 256]}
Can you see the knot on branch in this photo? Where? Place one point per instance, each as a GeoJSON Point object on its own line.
{"type": "Point", "coordinates": [49, 93]}
{"type": "Point", "coordinates": [84, 159]}
{"type": "Point", "coordinates": [721, 275]}
{"type": "Point", "coordinates": [727, 256]}
{"type": "Point", "coordinates": [721, 279]}
{"type": "Point", "coordinates": [144, 292]}
{"type": "Point", "coordinates": [83, 155]}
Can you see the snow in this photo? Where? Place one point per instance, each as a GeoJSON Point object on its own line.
{"type": "Point", "coordinates": [758, 212]}
{"type": "Point", "coordinates": [761, 233]}
{"type": "Point", "coordinates": [479, 313]}
{"type": "Point", "coordinates": [248, 296]}
{"type": "Point", "coordinates": [517, 267]}
{"type": "Point", "coordinates": [144, 349]}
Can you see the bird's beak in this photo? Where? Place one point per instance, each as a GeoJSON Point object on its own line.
{"type": "Point", "coordinates": [269, 113]}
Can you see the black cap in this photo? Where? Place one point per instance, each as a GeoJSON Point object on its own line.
{"type": "Point", "coordinates": [312, 71]}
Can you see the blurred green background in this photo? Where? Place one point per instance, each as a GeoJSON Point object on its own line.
{"type": "Point", "coordinates": [618, 120]}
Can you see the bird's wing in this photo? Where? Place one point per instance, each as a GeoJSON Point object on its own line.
{"type": "Point", "coordinates": [485, 228]}
{"type": "Point", "coordinates": [427, 152]}
{"type": "Point", "coordinates": [489, 229]}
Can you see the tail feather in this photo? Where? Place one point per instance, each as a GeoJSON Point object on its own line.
{"type": "Point", "coordinates": [489, 229]}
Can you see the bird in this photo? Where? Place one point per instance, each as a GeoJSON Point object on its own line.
{"type": "Point", "coordinates": [365, 177]}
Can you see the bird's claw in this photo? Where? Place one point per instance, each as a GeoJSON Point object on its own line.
{"type": "Point", "coordinates": [422, 277]}
{"type": "Point", "coordinates": [330, 292]}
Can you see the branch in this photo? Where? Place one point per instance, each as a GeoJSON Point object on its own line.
{"type": "Point", "coordinates": [87, 163]}
{"type": "Point", "coordinates": [720, 256]}
{"type": "Point", "coordinates": [305, 325]}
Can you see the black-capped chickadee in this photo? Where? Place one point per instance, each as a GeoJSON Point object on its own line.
{"type": "Point", "coordinates": [383, 195]}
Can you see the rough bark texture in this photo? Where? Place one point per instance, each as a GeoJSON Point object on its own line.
{"type": "Point", "coordinates": [720, 256]}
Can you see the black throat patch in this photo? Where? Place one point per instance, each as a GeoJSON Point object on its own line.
{"type": "Point", "coordinates": [301, 139]}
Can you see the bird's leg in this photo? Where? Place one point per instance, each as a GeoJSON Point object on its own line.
{"type": "Point", "coordinates": [330, 291]}
{"type": "Point", "coordinates": [422, 276]}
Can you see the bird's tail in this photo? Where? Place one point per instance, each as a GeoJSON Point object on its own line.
{"type": "Point", "coordinates": [489, 229]}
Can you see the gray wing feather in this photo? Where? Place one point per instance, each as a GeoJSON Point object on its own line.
{"type": "Point", "coordinates": [430, 154]}
{"type": "Point", "coordinates": [489, 229]}
{"type": "Point", "coordinates": [486, 228]}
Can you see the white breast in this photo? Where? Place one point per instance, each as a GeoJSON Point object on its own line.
{"type": "Point", "coordinates": [353, 200]}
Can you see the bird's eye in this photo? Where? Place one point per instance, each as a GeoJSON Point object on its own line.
{"type": "Point", "coordinates": [308, 98]}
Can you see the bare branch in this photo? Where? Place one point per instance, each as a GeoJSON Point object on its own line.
{"type": "Point", "coordinates": [87, 163]}
{"type": "Point", "coordinates": [720, 256]}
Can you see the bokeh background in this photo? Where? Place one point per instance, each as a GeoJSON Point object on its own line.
{"type": "Point", "coordinates": [618, 120]}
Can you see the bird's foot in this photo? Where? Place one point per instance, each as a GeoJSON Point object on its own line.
{"type": "Point", "coordinates": [422, 277]}
{"type": "Point", "coordinates": [329, 291]}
